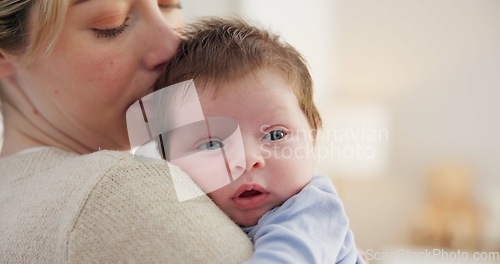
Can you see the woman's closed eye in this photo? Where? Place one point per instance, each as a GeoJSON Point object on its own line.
{"type": "Point", "coordinates": [274, 135]}
{"type": "Point", "coordinates": [111, 32]}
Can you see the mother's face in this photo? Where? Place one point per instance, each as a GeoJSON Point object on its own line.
{"type": "Point", "coordinates": [109, 54]}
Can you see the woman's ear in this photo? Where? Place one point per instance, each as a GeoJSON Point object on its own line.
{"type": "Point", "coordinates": [6, 67]}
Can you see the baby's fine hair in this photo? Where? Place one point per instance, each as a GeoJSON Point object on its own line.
{"type": "Point", "coordinates": [220, 50]}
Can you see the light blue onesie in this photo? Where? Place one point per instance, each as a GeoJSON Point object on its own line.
{"type": "Point", "coordinates": [310, 227]}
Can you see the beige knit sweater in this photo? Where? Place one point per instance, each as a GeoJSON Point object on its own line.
{"type": "Point", "coordinates": [107, 207]}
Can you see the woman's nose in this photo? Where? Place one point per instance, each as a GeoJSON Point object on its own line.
{"type": "Point", "coordinates": [163, 43]}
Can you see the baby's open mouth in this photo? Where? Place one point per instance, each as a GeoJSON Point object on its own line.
{"type": "Point", "coordinates": [250, 196]}
{"type": "Point", "coordinates": [250, 193]}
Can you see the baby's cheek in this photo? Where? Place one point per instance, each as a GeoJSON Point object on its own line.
{"type": "Point", "coordinates": [219, 195]}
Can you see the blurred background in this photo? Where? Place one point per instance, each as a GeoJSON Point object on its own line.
{"type": "Point", "coordinates": [409, 92]}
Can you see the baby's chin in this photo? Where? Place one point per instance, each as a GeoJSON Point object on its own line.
{"type": "Point", "coordinates": [247, 220]}
{"type": "Point", "coordinates": [250, 218]}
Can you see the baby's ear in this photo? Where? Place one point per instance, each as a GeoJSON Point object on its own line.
{"type": "Point", "coordinates": [6, 67]}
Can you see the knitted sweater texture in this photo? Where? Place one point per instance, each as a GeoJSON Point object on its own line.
{"type": "Point", "coordinates": [107, 207]}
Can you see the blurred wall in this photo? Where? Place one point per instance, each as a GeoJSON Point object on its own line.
{"type": "Point", "coordinates": [193, 8]}
{"type": "Point", "coordinates": [435, 65]}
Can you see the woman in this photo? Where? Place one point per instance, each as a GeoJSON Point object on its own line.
{"type": "Point", "coordinates": [69, 70]}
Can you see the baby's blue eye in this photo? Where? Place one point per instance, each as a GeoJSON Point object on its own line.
{"type": "Point", "coordinates": [211, 145]}
{"type": "Point", "coordinates": [274, 135]}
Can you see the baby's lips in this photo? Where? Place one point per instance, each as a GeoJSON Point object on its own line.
{"type": "Point", "coordinates": [249, 187]}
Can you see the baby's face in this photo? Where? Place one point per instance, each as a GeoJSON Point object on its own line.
{"type": "Point", "coordinates": [255, 150]}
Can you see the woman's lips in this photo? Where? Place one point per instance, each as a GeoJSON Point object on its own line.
{"type": "Point", "coordinates": [250, 196]}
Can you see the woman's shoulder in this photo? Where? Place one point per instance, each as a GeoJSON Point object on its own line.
{"type": "Point", "coordinates": [126, 173]}
{"type": "Point", "coordinates": [136, 210]}
{"type": "Point", "coordinates": [110, 206]}
{"type": "Point", "coordinates": [136, 204]}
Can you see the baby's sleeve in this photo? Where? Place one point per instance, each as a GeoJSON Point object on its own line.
{"type": "Point", "coordinates": [310, 227]}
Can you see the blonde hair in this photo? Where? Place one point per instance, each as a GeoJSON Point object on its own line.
{"type": "Point", "coordinates": [218, 50]}
{"type": "Point", "coordinates": [31, 32]}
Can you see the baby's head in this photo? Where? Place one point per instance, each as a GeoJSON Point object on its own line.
{"type": "Point", "coordinates": [217, 51]}
{"type": "Point", "coordinates": [255, 149]}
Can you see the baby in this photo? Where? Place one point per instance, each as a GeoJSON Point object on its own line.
{"type": "Point", "coordinates": [251, 153]}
